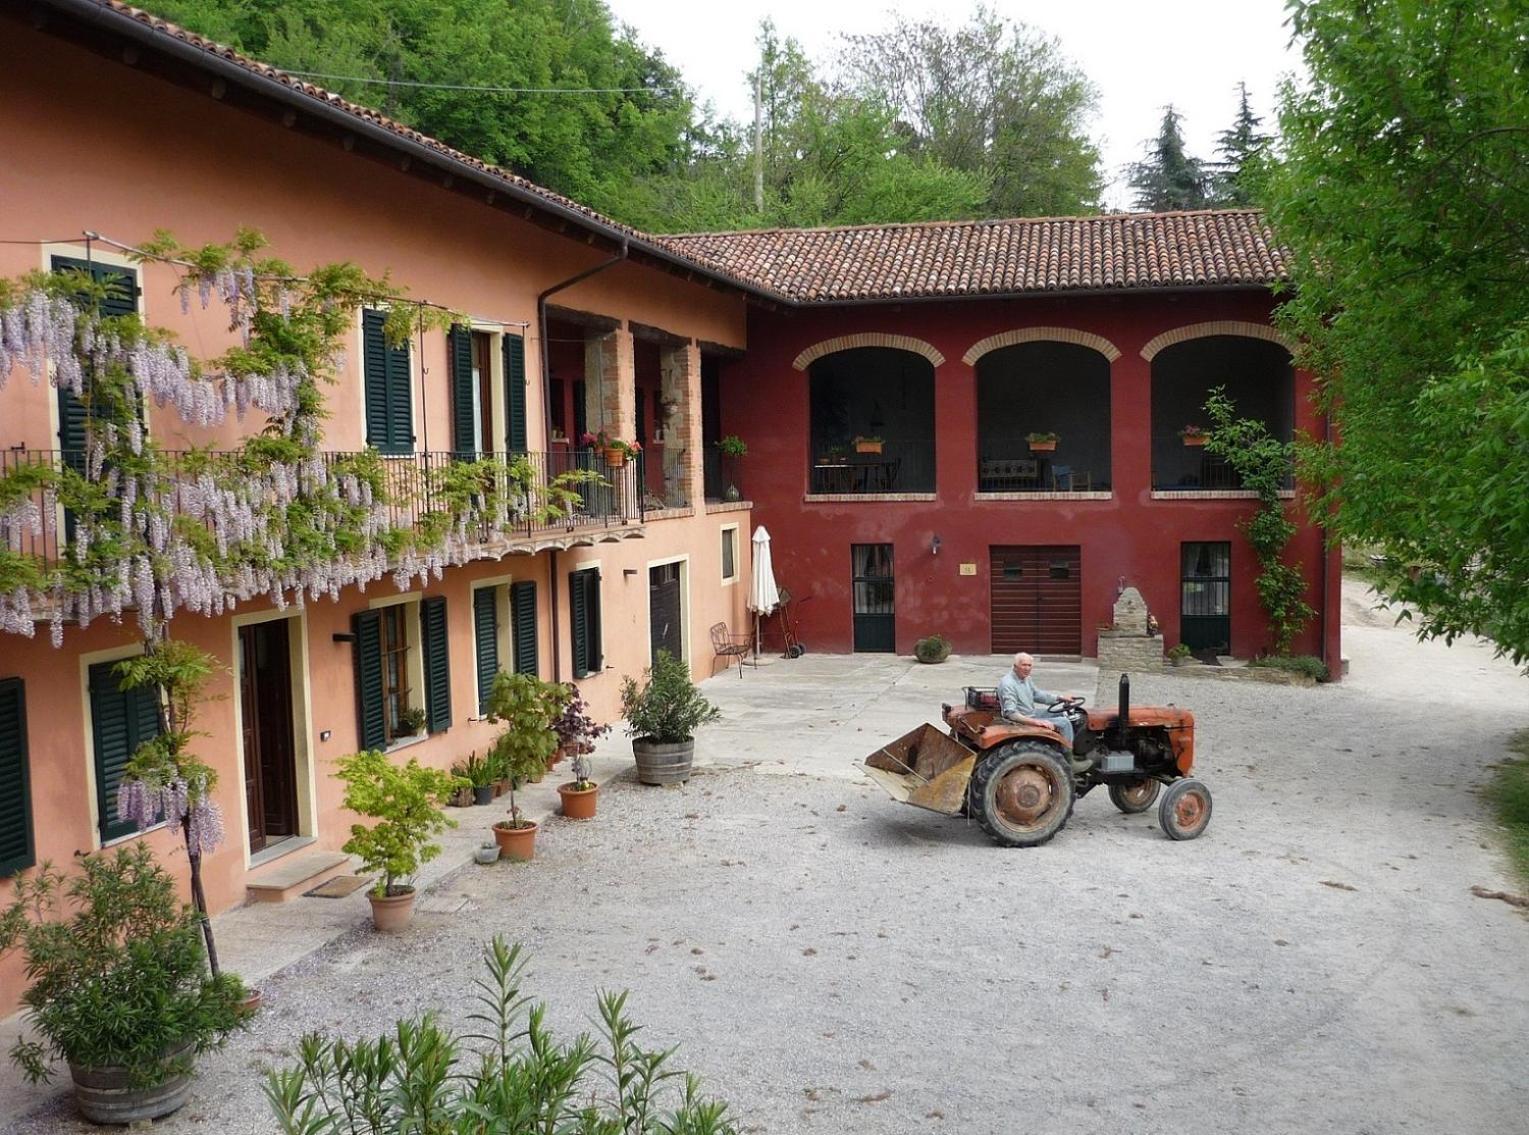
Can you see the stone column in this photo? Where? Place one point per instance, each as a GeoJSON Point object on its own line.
{"type": "Point", "coordinates": [1126, 648]}
{"type": "Point", "coordinates": [684, 459]}
{"type": "Point", "coordinates": [610, 384]}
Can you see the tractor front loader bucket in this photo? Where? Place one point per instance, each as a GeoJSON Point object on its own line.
{"type": "Point", "coordinates": [927, 768]}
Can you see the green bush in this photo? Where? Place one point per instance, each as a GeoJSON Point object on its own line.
{"type": "Point", "coordinates": [1509, 794]}
{"type": "Point", "coordinates": [514, 1077]}
{"type": "Point", "coordinates": [935, 648]}
{"type": "Point", "coordinates": [1180, 650]}
{"type": "Point", "coordinates": [121, 979]}
{"type": "Point", "coordinates": [529, 707]}
{"type": "Point", "coordinates": [1296, 663]}
{"type": "Point", "coordinates": [407, 802]}
{"type": "Point", "coordinates": [669, 709]}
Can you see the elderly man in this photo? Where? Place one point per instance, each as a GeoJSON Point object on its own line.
{"type": "Point", "coordinates": [1020, 699]}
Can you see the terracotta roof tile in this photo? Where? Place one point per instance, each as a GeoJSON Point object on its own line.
{"type": "Point", "coordinates": [1210, 248]}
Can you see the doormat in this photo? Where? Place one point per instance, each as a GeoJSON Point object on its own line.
{"type": "Point", "coordinates": [338, 887]}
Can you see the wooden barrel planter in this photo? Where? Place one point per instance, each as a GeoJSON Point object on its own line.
{"type": "Point", "coordinates": [663, 763]}
{"type": "Point", "coordinates": [103, 1094]}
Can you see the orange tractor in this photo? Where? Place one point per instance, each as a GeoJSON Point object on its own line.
{"type": "Point", "coordinates": [1019, 782]}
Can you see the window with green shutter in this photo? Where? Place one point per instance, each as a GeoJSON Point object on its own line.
{"type": "Point", "coordinates": [515, 393]}
{"type": "Point", "coordinates": [435, 642]}
{"type": "Point", "coordinates": [584, 612]}
{"type": "Point", "coordinates": [16, 849]}
{"type": "Point", "coordinates": [464, 442]}
{"type": "Point", "coordinates": [389, 393]}
{"type": "Point", "coordinates": [486, 641]}
{"type": "Point", "coordinates": [120, 721]}
{"type": "Point", "coordinates": [371, 724]}
{"type": "Point", "coordinates": [523, 620]}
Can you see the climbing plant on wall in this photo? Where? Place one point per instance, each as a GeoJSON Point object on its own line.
{"type": "Point", "coordinates": [200, 529]}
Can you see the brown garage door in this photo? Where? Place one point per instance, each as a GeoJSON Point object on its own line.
{"type": "Point", "coordinates": [1037, 600]}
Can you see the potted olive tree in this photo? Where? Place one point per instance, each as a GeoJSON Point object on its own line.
{"type": "Point", "coordinates": [408, 803]}
{"type": "Point", "coordinates": [527, 706]}
{"type": "Point", "coordinates": [661, 719]}
{"type": "Point", "coordinates": [120, 989]}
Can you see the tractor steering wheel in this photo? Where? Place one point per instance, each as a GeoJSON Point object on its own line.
{"type": "Point", "coordinates": [1065, 705]}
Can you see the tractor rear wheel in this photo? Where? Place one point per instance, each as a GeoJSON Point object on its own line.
{"type": "Point", "coordinates": [1022, 793]}
{"type": "Point", "coordinates": [1185, 810]}
{"type": "Point", "coordinates": [1134, 798]}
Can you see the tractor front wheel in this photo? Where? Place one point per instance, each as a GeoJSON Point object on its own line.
{"type": "Point", "coordinates": [1022, 793]}
{"type": "Point", "coordinates": [1185, 810]}
{"type": "Point", "coordinates": [1134, 798]}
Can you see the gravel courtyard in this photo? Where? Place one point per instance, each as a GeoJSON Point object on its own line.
{"type": "Point", "coordinates": [830, 961]}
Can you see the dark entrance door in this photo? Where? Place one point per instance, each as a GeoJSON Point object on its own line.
{"type": "Point", "coordinates": [664, 610]}
{"type": "Point", "coordinates": [875, 589]}
{"type": "Point", "coordinates": [1205, 590]}
{"type": "Point", "coordinates": [270, 765]}
{"type": "Point", "coordinates": [1037, 599]}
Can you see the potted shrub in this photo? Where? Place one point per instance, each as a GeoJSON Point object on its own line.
{"type": "Point", "coordinates": [868, 444]}
{"type": "Point", "coordinates": [935, 648]}
{"type": "Point", "coordinates": [835, 455]}
{"type": "Point", "coordinates": [733, 446]}
{"type": "Point", "coordinates": [580, 796]}
{"type": "Point", "coordinates": [1194, 435]}
{"type": "Point", "coordinates": [120, 989]}
{"type": "Point", "coordinates": [480, 773]}
{"type": "Point", "coordinates": [406, 801]}
{"type": "Point", "coordinates": [1042, 441]}
{"type": "Point", "coordinates": [662, 718]}
{"type": "Point", "coordinates": [577, 733]}
{"type": "Point", "coordinates": [462, 795]}
{"type": "Point", "coordinates": [527, 706]}
{"type": "Point", "coordinates": [615, 449]}
{"type": "Point", "coordinates": [1180, 655]}
{"type": "Point", "coordinates": [411, 722]}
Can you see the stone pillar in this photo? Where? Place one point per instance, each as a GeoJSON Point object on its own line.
{"type": "Point", "coordinates": [1126, 647]}
{"type": "Point", "coordinates": [684, 459]}
{"type": "Point", "coordinates": [610, 384]}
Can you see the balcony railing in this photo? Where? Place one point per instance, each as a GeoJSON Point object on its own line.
{"type": "Point", "coordinates": [1038, 473]}
{"type": "Point", "coordinates": [900, 467]}
{"type": "Point", "coordinates": [724, 477]}
{"type": "Point", "coordinates": [517, 490]}
{"type": "Point", "coordinates": [1197, 470]}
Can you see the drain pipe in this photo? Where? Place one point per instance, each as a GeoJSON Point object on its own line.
{"type": "Point", "coordinates": [546, 359]}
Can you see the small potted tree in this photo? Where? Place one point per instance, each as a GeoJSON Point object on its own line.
{"type": "Point", "coordinates": [527, 706]}
{"type": "Point", "coordinates": [119, 988]}
{"type": "Point", "coordinates": [407, 801]}
{"type": "Point", "coordinates": [662, 718]}
{"type": "Point", "coordinates": [577, 733]}
{"type": "Point", "coordinates": [1042, 441]}
{"type": "Point", "coordinates": [733, 448]}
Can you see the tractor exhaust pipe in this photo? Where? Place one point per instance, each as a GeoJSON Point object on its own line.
{"type": "Point", "coordinates": [1123, 721]}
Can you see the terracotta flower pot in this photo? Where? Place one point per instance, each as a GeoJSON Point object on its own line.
{"type": "Point", "coordinates": [251, 1003]}
{"type": "Point", "coordinates": [579, 803]}
{"type": "Point", "coordinates": [615, 458]}
{"type": "Point", "coordinates": [516, 843]}
{"type": "Point", "coordinates": [1043, 447]}
{"type": "Point", "coordinates": [392, 912]}
{"type": "Point", "coordinates": [868, 447]}
{"type": "Point", "coordinates": [1194, 440]}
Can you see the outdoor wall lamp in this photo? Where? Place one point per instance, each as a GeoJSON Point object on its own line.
{"type": "Point", "coordinates": [934, 545]}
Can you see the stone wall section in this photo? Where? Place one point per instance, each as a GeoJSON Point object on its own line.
{"type": "Point", "coordinates": [610, 384]}
{"type": "Point", "coordinates": [684, 470]}
{"type": "Point", "coordinates": [1126, 647]}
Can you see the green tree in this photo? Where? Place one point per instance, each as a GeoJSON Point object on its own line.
{"type": "Point", "coordinates": [1169, 177]}
{"type": "Point", "coordinates": [1242, 150]}
{"type": "Point", "coordinates": [993, 98]}
{"type": "Point", "coordinates": [1405, 199]}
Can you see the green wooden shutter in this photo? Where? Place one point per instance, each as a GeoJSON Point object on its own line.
{"type": "Point", "coordinates": [584, 604]}
{"type": "Point", "coordinates": [435, 642]}
{"type": "Point", "coordinates": [371, 727]}
{"type": "Point", "coordinates": [460, 343]}
{"type": "Point", "coordinates": [389, 398]}
{"type": "Point", "coordinates": [523, 620]}
{"type": "Point", "coordinates": [120, 721]}
{"type": "Point", "coordinates": [486, 639]}
{"type": "Point", "coordinates": [17, 851]}
{"type": "Point", "coordinates": [515, 393]}
{"type": "Point", "coordinates": [122, 300]}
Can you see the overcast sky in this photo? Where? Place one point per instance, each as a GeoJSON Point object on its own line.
{"type": "Point", "coordinates": [1141, 56]}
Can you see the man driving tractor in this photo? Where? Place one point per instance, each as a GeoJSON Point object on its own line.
{"type": "Point", "coordinates": [1018, 698]}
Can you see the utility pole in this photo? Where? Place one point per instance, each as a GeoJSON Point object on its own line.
{"type": "Point", "coordinates": [759, 139]}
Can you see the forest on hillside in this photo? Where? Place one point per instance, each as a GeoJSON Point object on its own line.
{"type": "Point", "coordinates": [914, 121]}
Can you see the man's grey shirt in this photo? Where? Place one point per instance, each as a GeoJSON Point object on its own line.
{"type": "Point", "coordinates": [1019, 697]}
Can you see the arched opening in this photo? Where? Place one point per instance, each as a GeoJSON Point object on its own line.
{"type": "Point", "coordinates": [872, 422]}
{"type": "Point", "coordinates": [1043, 388]}
{"type": "Point", "coordinates": [1258, 378]}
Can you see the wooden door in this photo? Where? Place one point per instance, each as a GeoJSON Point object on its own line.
{"type": "Point", "coordinates": [1037, 600]}
{"type": "Point", "coordinates": [664, 610]}
{"type": "Point", "coordinates": [270, 761]}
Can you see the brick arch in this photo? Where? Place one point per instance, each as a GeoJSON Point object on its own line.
{"type": "Point", "coordinates": [867, 339]}
{"type": "Point", "coordinates": [1041, 334]}
{"type": "Point", "coordinates": [1217, 327]}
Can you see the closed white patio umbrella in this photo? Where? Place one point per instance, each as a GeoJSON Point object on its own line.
{"type": "Point", "coordinates": [764, 596]}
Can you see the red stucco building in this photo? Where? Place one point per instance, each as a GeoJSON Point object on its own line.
{"type": "Point", "coordinates": [952, 343]}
